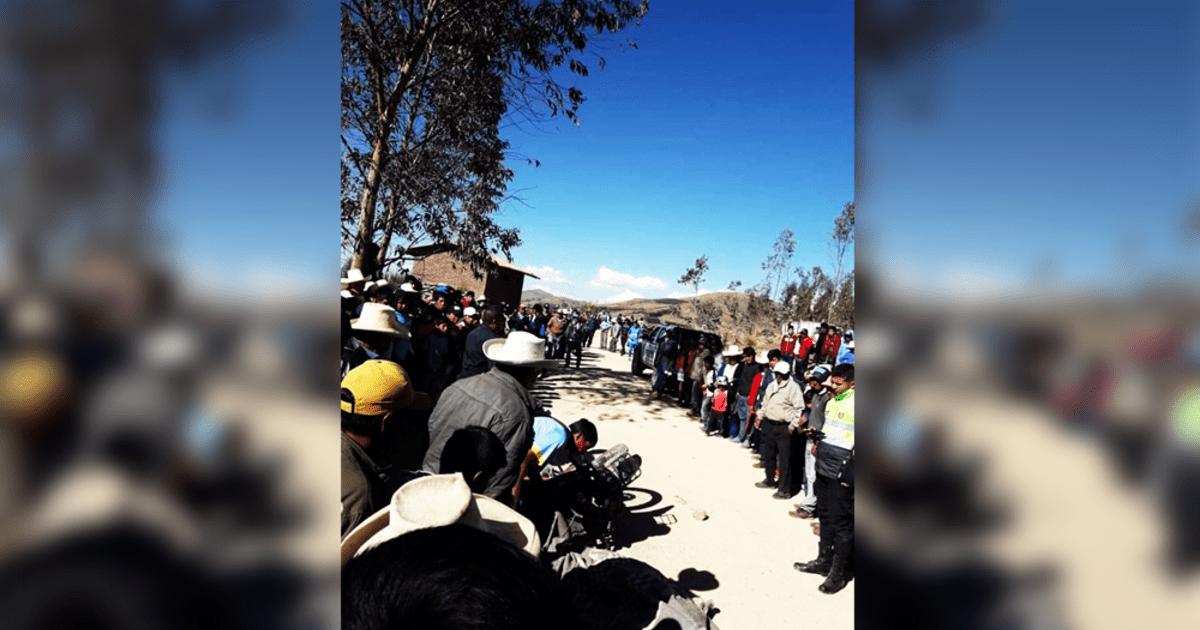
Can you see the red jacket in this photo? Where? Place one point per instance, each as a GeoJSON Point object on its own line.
{"type": "Point", "coordinates": [787, 344]}
{"type": "Point", "coordinates": [754, 390]}
{"type": "Point", "coordinates": [831, 346]}
{"type": "Point", "coordinates": [805, 345]}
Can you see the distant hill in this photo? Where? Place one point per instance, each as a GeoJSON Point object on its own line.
{"type": "Point", "coordinates": [739, 324]}
{"type": "Point", "coordinates": [538, 295]}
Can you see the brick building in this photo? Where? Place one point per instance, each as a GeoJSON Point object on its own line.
{"type": "Point", "coordinates": [434, 265]}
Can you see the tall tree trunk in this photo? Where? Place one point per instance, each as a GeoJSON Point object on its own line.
{"type": "Point", "coordinates": [370, 194]}
{"type": "Point", "coordinates": [385, 240]}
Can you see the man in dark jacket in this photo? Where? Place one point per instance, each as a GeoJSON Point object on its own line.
{"type": "Point", "coordinates": [815, 398]}
{"type": "Point", "coordinates": [743, 379]}
{"type": "Point", "coordinates": [497, 400]}
{"type": "Point", "coordinates": [492, 327]}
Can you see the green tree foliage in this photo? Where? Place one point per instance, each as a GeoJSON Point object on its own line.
{"type": "Point", "coordinates": [823, 294]}
{"type": "Point", "coordinates": [778, 264]}
{"type": "Point", "coordinates": [843, 310]}
{"type": "Point", "coordinates": [694, 276]}
{"type": "Point", "coordinates": [840, 239]}
{"type": "Point", "coordinates": [426, 88]}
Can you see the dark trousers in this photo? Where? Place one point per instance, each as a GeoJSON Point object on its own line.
{"type": "Point", "coordinates": [697, 395]}
{"type": "Point", "coordinates": [797, 462]}
{"type": "Point", "coordinates": [777, 453]}
{"type": "Point", "coordinates": [835, 510]}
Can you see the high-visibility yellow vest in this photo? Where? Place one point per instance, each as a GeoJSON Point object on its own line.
{"type": "Point", "coordinates": [839, 421]}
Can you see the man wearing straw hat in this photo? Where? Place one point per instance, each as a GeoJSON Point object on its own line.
{"type": "Point", "coordinates": [371, 394]}
{"type": "Point", "coordinates": [498, 400]}
{"type": "Point", "coordinates": [377, 335]}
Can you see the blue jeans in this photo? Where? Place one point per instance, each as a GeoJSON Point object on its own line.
{"type": "Point", "coordinates": [737, 427]}
{"type": "Point", "coordinates": [660, 376]}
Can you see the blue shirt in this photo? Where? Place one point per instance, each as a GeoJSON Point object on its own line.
{"type": "Point", "coordinates": [549, 436]}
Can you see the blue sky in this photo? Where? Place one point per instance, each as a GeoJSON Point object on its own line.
{"type": "Point", "coordinates": [250, 145]}
{"type": "Point", "coordinates": [1062, 134]}
{"type": "Point", "coordinates": [729, 124]}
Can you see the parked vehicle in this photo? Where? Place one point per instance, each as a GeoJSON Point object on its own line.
{"type": "Point", "coordinates": [669, 338]}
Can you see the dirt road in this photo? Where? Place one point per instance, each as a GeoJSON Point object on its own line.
{"type": "Point", "coordinates": [741, 556]}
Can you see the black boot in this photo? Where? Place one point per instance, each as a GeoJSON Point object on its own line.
{"type": "Point", "coordinates": [820, 566]}
{"type": "Point", "coordinates": [836, 580]}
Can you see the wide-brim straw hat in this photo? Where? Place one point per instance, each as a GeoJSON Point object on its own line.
{"type": "Point", "coordinates": [732, 351]}
{"type": "Point", "coordinates": [520, 349]}
{"type": "Point", "coordinates": [380, 318]}
{"type": "Point", "coordinates": [353, 276]}
{"type": "Point", "coordinates": [762, 358]}
{"type": "Point", "coordinates": [437, 501]}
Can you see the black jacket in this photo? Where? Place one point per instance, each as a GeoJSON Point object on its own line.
{"type": "Point", "coordinates": [744, 377]}
{"type": "Point", "coordinates": [474, 362]}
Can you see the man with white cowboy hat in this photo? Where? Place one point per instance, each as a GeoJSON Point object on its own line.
{"type": "Point", "coordinates": [498, 400]}
{"type": "Point", "coordinates": [354, 281]}
{"type": "Point", "coordinates": [440, 557]}
{"type": "Point", "coordinates": [371, 394]}
{"type": "Point", "coordinates": [377, 335]}
{"type": "Point", "coordinates": [437, 501]}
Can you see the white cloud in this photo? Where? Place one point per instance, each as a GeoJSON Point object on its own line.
{"type": "Point", "coordinates": [608, 279]}
{"type": "Point", "coordinates": [548, 275]}
{"type": "Point", "coordinates": [681, 295]}
{"type": "Point", "coordinates": [621, 297]}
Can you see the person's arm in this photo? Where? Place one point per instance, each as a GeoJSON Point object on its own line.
{"type": "Point", "coordinates": [796, 419]}
{"type": "Point", "coordinates": [531, 458]}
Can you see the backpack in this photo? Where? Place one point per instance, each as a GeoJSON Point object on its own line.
{"type": "Point", "coordinates": [720, 400]}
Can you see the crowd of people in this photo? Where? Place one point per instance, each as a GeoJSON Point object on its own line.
{"type": "Point", "coordinates": [779, 407]}
{"type": "Point", "coordinates": [436, 402]}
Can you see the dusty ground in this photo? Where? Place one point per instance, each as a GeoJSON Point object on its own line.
{"type": "Point", "coordinates": [741, 556]}
{"type": "Point", "coordinates": [1067, 508]}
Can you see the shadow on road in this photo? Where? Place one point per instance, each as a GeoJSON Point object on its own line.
{"type": "Point", "coordinates": [638, 522]}
{"type": "Point", "coordinates": [603, 386]}
{"type": "Point", "coordinates": [631, 495]}
{"type": "Point", "coordinates": [690, 580]}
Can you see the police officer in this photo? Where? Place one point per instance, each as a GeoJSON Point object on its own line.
{"type": "Point", "coordinates": [835, 485]}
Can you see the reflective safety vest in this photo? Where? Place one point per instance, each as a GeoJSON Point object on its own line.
{"type": "Point", "coordinates": [839, 421]}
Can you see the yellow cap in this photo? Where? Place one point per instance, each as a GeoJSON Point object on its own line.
{"type": "Point", "coordinates": [33, 385]}
{"type": "Point", "coordinates": [380, 387]}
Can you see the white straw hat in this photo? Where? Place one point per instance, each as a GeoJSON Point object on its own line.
{"type": "Point", "coordinates": [436, 501]}
{"type": "Point", "coordinates": [381, 318]}
{"type": "Point", "coordinates": [732, 351]}
{"type": "Point", "coordinates": [353, 276]}
{"type": "Point", "coordinates": [519, 348]}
